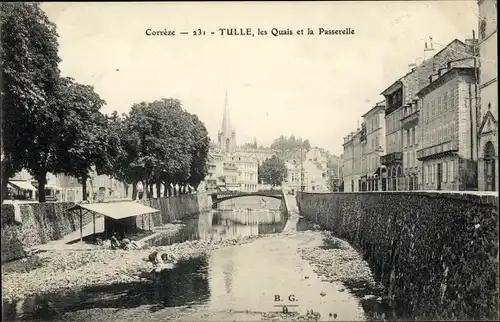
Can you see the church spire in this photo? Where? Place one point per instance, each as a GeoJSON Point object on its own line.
{"type": "Point", "coordinates": [226, 129]}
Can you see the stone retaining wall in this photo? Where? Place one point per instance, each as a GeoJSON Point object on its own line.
{"type": "Point", "coordinates": [435, 253]}
{"type": "Point", "coordinates": [43, 222]}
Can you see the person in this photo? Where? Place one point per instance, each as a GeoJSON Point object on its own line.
{"type": "Point", "coordinates": [114, 241]}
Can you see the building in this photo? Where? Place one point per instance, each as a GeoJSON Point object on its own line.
{"type": "Point", "coordinates": [292, 182]}
{"type": "Point", "coordinates": [393, 157]}
{"type": "Point", "coordinates": [411, 165]}
{"type": "Point", "coordinates": [448, 148]}
{"type": "Point", "coordinates": [488, 88]}
{"type": "Point", "coordinates": [348, 164]}
{"type": "Point", "coordinates": [259, 154]}
{"type": "Point", "coordinates": [60, 187]}
{"type": "Point", "coordinates": [401, 96]}
{"type": "Point", "coordinates": [230, 167]}
{"type": "Point", "coordinates": [315, 176]}
{"type": "Point", "coordinates": [227, 135]}
{"type": "Point", "coordinates": [374, 148]}
{"type": "Point", "coordinates": [247, 171]}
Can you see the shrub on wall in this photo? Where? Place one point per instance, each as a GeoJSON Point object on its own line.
{"type": "Point", "coordinates": [436, 254]}
{"type": "Point", "coordinates": [8, 215]}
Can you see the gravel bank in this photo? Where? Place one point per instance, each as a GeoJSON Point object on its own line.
{"type": "Point", "coordinates": [339, 261]}
{"type": "Point", "coordinates": [69, 269]}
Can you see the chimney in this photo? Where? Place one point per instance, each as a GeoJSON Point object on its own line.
{"type": "Point", "coordinates": [428, 50]}
{"type": "Point", "coordinates": [411, 67]}
{"type": "Point", "coordinates": [469, 43]}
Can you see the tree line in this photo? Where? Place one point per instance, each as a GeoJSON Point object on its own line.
{"type": "Point", "coordinates": [53, 124]}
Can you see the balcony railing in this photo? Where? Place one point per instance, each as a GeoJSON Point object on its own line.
{"type": "Point", "coordinates": [391, 158]}
{"type": "Point", "coordinates": [436, 150]}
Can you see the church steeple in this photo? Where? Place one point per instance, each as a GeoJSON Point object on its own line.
{"type": "Point", "coordinates": [226, 120]}
{"type": "Point", "coordinates": [227, 136]}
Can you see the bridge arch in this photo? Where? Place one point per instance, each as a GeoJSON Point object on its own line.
{"type": "Point", "coordinates": [220, 197]}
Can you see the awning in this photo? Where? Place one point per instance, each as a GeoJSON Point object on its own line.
{"type": "Point", "coordinates": [25, 185]}
{"type": "Point", "coordinates": [117, 210]}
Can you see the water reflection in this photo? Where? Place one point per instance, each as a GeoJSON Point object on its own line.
{"type": "Point", "coordinates": [185, 284]}
{"type": "Point", "coordinates": [230, 222]}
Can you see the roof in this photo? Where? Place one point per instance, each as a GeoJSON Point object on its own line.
{"type": "Point", "coordinates": [117, 210]}
{"type": "Point", "coordinates": [26, 185]}
{"type": "Point", "coordinates": [442, 78]}
{"type": "Point", "coordinates": [391, 89]}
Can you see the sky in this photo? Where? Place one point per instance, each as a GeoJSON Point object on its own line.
{"type": "Point", "coordinates": [313, 86]}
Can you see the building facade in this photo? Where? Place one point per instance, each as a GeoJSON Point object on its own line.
{"type": "Point", "coordinates": [292, 182]}
{"type": "Point", "coordinates": [393, 157]}
{"type": "Point", "coordinates": [348, 165]}
{"type": "Point", "coordinates": [227, 135]}
{"type": "Point", "coordinates": [448, 141]}
{"type": "Point", "coordinates": [411, 164]}
{"type": "Point", "coordinates": [401, 97]}
{"type": "Point", "coordinates": [230, 167]}
{"type": "Point", "coordinates": [488, 87]}
{"type": "Point", "coordinates": [374, 121]}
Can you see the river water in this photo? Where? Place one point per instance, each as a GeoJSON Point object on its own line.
{"type": "Point", "coordinates": [237, 283]}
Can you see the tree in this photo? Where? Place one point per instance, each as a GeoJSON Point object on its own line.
{"type": "Point", "coordinates": [30, 117]}
{"type": "Point", "coordinates": [198, 169]}
{"type": "Point", "coordinates": [84, 147]}
{"type": "Point", "coordinates": [158, 143]}
{"type": "Point", "coordinates": [286, 144]}
{"type": "Point", "coordinates": [272, 171]}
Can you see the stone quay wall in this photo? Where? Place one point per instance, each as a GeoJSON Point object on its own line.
{"type": "Point", "coordinates": [39, 223]}
{"type": "Point", "coordinates": [435, 253]}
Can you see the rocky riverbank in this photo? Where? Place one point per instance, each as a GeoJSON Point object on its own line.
{"type": "Point", "coordinates": [71, 269]}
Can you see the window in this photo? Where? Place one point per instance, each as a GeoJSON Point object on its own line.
{"type": "Point", "coordinates": [445, 101]}
{"type": "Point", "coordinates": [445, 171]}
{"type": "Point", "coordinates": [426, 172]}
{"type": "Point", "coordinates": [433, 175]}
{"type": "Point", "coordinates": [439, 105]}
{"type": "Point", "coordinates": [433, 108]}
{"type": "Point", "coordinates": [451, 171]}
{"type": "Point", "coordinates": [452, 99]}
{"type": "Point", "coordinates": [404, 138]}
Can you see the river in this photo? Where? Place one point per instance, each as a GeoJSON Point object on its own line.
{"type": "Point", "coordinates": [248, 282]}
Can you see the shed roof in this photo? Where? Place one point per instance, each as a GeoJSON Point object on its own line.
{"type": "Point", "coordinates": [25, 185]}
{"type": "Point", "coordinates": [117, 210]}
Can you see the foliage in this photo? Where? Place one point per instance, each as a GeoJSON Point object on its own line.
{"type": "Point", "coordinates": [283, 143]}
{"type": "Point", "coordinates": [273, 171]}
{"type": "Point", "coordinates": [53, 124]}
{"type": "Point", "coordinates": [251, 145]}
{"type": "Point", "coordinates": [30, 127]}
{"type": "Point", "coordinates": [198, 169]}
{"type": "Point", "coordinates": [162, 143]}
{"type": "Point", "coordinates": [85, 140]}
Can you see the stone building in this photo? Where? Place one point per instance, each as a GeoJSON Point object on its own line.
{"type": "Point", "coordinates": [400, 97]}
{"type": "Point", "coordinates": [292, 182]}
{"type": "Point", "coordinates": [375, 146]}
{"type": "Point", "coordinates": [348, 174]}
{"type": "Point", "coordinates": [488, 87]}
{"type": "Point", "coordinates": [393, 157]}
{"type": "Point", "coordinates": [411, 165]}
{"type": "Point", "coordinates": [231, 167]}
{"type": "Point", "coordinates": [226, 135]}
{"type": "Point", "coordinates": [448, 143]}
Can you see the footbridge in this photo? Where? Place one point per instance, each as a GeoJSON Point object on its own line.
{"type": "Point", "coordinates": [220, 196]}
